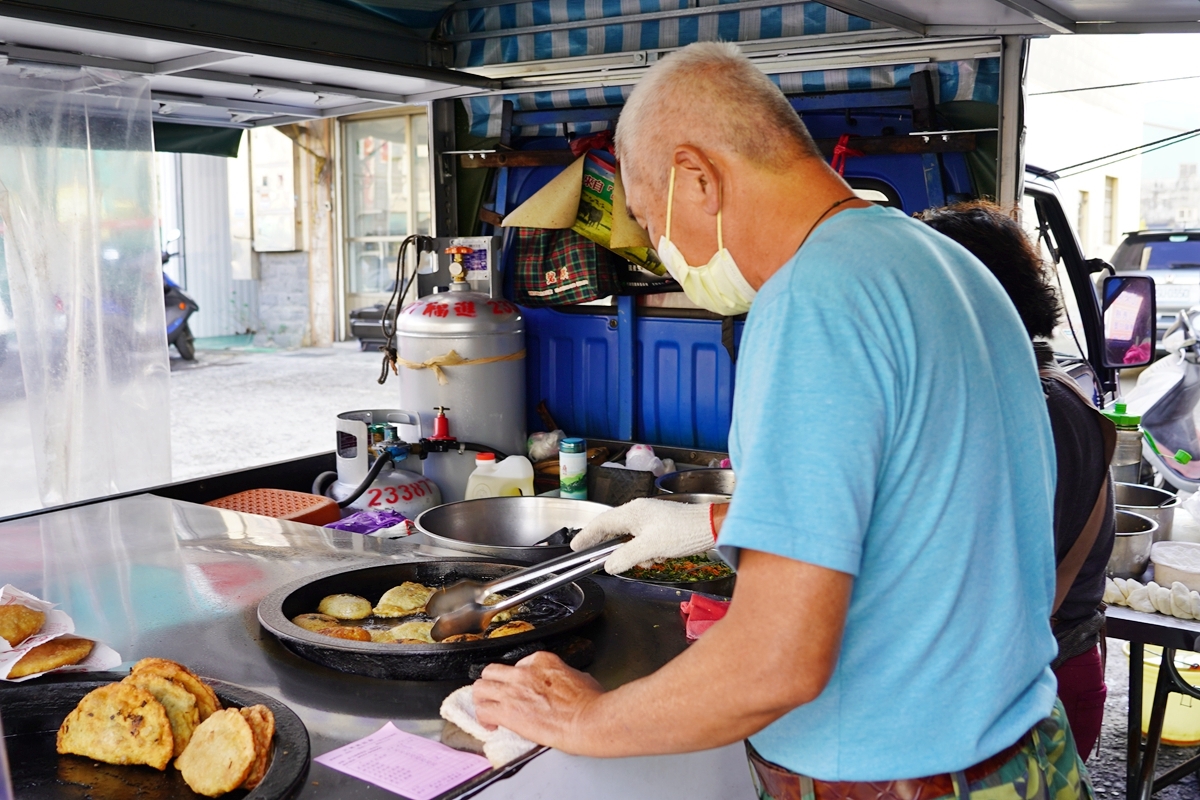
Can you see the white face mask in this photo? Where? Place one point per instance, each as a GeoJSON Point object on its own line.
{"type": "Point", "coordinates": [718, 286]}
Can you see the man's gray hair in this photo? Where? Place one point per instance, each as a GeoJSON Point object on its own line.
{"type": "Point", "coordinates": [710, 96]}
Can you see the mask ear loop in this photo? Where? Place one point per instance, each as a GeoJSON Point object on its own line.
{"type": "Point", "coordinates": [720, 238]}
{"type": "Point", "coordinates": [670, 202]}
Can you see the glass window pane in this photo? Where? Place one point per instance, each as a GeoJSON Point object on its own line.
{"type": "Point", "coordinates": [1068, 333]}
{"type": "Point", "coordinates": [422, 185]}
{"type": "Point", "coordinates": [377, 177]}
{"type": "Point", "coordinates": [372, 266]}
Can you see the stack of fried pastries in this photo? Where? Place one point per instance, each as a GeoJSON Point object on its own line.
{"type": "Point", "coordinates": [164, 711]}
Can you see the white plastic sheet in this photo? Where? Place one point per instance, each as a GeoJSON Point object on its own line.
{"type": "Point", "coordinates": [83, 357]}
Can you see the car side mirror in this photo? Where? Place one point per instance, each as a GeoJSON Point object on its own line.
{"type": "Point", "coordinates": [1129, 320]}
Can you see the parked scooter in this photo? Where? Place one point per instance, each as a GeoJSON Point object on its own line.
{"type": "Point", "coordinates": [180, 307]}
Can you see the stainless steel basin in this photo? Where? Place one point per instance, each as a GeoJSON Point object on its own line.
{"type": "Point", "coordinates": [695, 497]}
{"type": "Point", "coordinates": [506, 527]}
{"type": "Point", "coordinates": [697, 481]}
{"type": "Point", "coordinates": [1157, 504]}
{"type": "Point", "coordinates": [1131, 550]}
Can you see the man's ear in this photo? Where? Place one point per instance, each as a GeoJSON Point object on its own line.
{"type": "Point", "coordinates": [697, 178]}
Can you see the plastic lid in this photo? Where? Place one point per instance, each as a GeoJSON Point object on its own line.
{"type": "Point", "coordinates": [1182, 456]}
{"type": "Point", "coordinates": [572, 445]}
{"type": "Point", "coordinates": [485, 457]}
{"type": "Point", "coordinates": [1120, 418]}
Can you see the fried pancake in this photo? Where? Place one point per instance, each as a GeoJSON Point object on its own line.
{"type": "Point", "coordinates": [178, 701]}
{"type": "Point", "coordinates": [51, 655]}
{"type": "Point", "coordinates": [413, 630]}
{"type": "Point", "coordinates": [382, 637]}
{"type": "Point", "coordinates": [503, 616]}
{"type": "Point", "coordinates": [314, 622]}
{"type": "Point", "coordinates": [510, 629]}
{"type": "Point", "coordinates": [462, 637]}
{"type": "Point", "coordinates": [402, 600]}
{"type": "Point", "coordinates": [345, 606]}
{"type": "Point", "coordinates": [118, 724]}
{"type": "Point", "coordinates": [18, 623]}
{"type": "Point", "coordinates": [220, 755]}
{"type": "Point", "coordinates": [346, 632]}
{"type": "Point", "coordinates": [412, 641]}
{"type": "Point", "coordinates": [206, 698]}
{"type": "Point", "coordinates": [262, 725]}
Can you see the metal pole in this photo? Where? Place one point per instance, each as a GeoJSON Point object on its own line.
{"type": "Point", "coordinates": [1133, 755]}
{"type": "Point", "coordinates": [1010, 167]}
{"type": "Point", "coordinates": [443, 168]}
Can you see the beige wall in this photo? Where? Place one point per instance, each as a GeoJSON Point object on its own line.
{"type": "Point", "coordinates": [1065, 129]}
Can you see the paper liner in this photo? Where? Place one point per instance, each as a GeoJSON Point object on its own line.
{"type": "Point", "coordinates": [58, 623]}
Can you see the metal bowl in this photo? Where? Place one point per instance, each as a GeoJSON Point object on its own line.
{"type": "Point", "coordinates": [1131, 550]}
{"type": "Point", "coordinates": [1157, 504]}
{"type": "Point", "coordinates": [692, 497]}
{"type": "Point", "coordinates": [506, 527]}
{"type": "Point", "coordinates": [697, 481]}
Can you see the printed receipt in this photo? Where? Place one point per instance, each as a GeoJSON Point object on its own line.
{"type": "Point", "coordinates": [408, 765]}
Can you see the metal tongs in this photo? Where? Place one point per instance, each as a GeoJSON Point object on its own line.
{"type": "Point", "coordinates": [459, 608]}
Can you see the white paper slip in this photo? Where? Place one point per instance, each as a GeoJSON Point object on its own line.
{"type": "Point", "coordinates": [408, 765]}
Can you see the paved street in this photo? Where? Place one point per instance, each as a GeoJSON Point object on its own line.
{"type": "Point", "coordinates": [238, 408]}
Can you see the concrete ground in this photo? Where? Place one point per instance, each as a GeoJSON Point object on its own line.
{"type": "Point", "coordinates": [1107, 764]}
{"type": "Point", "coordinates": [240, 406]}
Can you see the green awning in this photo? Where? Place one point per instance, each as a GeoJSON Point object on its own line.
{"type": "Point", "coordinates": [205, 140]}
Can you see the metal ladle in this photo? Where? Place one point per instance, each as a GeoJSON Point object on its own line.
{"type": "Point", "coordinates": [460, 609]}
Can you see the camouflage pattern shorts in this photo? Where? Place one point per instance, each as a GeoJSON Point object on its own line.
{"type": "Point", "coordinates": [1047, 767]}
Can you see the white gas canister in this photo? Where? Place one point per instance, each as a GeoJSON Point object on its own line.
{"type": "Point", "coordinates": [401, 491]}
{"type": "Point", "coordinates": [403, 488]}
{"type": "Point", "coordinates": [510, 478]}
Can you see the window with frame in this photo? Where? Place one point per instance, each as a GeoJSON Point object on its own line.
{"type": "Point", "coordinates": [1110, 210]}
{"type": "Point", "coordinates": [387, 195]}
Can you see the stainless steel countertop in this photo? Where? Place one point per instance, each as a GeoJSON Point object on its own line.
{"type": "Point", "coordinates": [156, 577]}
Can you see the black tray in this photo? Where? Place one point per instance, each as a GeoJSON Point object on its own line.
{"type": "Point", "coordinates": [33, 711]}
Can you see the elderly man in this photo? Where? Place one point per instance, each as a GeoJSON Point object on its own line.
{"type": "Point", "coordinates": [890, 635]}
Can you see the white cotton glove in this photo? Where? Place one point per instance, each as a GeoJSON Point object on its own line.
{"type": "Point", "coordinates": [661, 529]}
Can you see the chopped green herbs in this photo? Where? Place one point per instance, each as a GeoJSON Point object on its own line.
{"type": "Point", "coordinates": [682, 570]}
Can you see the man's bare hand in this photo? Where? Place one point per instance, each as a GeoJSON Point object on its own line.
{"type": "Point", "coordinates": [541, 698]}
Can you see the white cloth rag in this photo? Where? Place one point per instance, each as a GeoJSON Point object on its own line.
{"type": "Point", "coordinates": [500, 746]}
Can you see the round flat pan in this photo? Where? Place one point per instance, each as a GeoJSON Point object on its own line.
{"type": "Point", "coordinates": [460, 660]}
{"type": "Point", "coordinates": [34, 710]}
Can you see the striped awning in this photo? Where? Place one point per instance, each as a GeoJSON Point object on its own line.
{"type": "Point", "coordinates": [545, 29]}
{"type": "Point", "coordinates": [977, 79]}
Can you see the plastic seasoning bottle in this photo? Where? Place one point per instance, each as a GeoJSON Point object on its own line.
{"type": "Point", "coordinates": [1127, 458]}
{"type": "Point", "coordinates": [572, 469]}
{"type": "Point", "coordinates": [511, 477]}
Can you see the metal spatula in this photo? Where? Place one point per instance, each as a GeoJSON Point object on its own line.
{"type": "Point", "coordinates": [459, 608]}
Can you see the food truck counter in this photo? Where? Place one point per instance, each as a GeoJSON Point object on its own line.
{"type": "Point", "coordinates": [150, 576]}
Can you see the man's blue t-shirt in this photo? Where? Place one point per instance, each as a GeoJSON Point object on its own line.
{"type": "Point", "coordinates": [889, 423]}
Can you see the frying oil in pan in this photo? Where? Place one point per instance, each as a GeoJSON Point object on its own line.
{"type": "Point", "coordinates": [537, 612]}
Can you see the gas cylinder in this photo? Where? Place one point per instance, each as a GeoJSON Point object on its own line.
{"type": "Point", "coordinates": [463, 352]}
{"type": "Point", "coordinates": [401, 487]}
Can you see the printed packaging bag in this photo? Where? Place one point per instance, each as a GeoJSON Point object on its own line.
{"type": "Point", "coordinates": [588, 198]}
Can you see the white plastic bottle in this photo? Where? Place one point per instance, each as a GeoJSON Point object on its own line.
{"type": "Point", "coordinates": [509, 478]}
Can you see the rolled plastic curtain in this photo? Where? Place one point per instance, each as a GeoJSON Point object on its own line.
{"type": "Point", "coordinates": [83, 354]}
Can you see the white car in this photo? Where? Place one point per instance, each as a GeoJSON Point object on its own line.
{"type": "Point", "coordinates": [1172, 258]}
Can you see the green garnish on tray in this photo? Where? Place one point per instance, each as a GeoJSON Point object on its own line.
{"type": "Point", "coordinates": [682, 570]}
